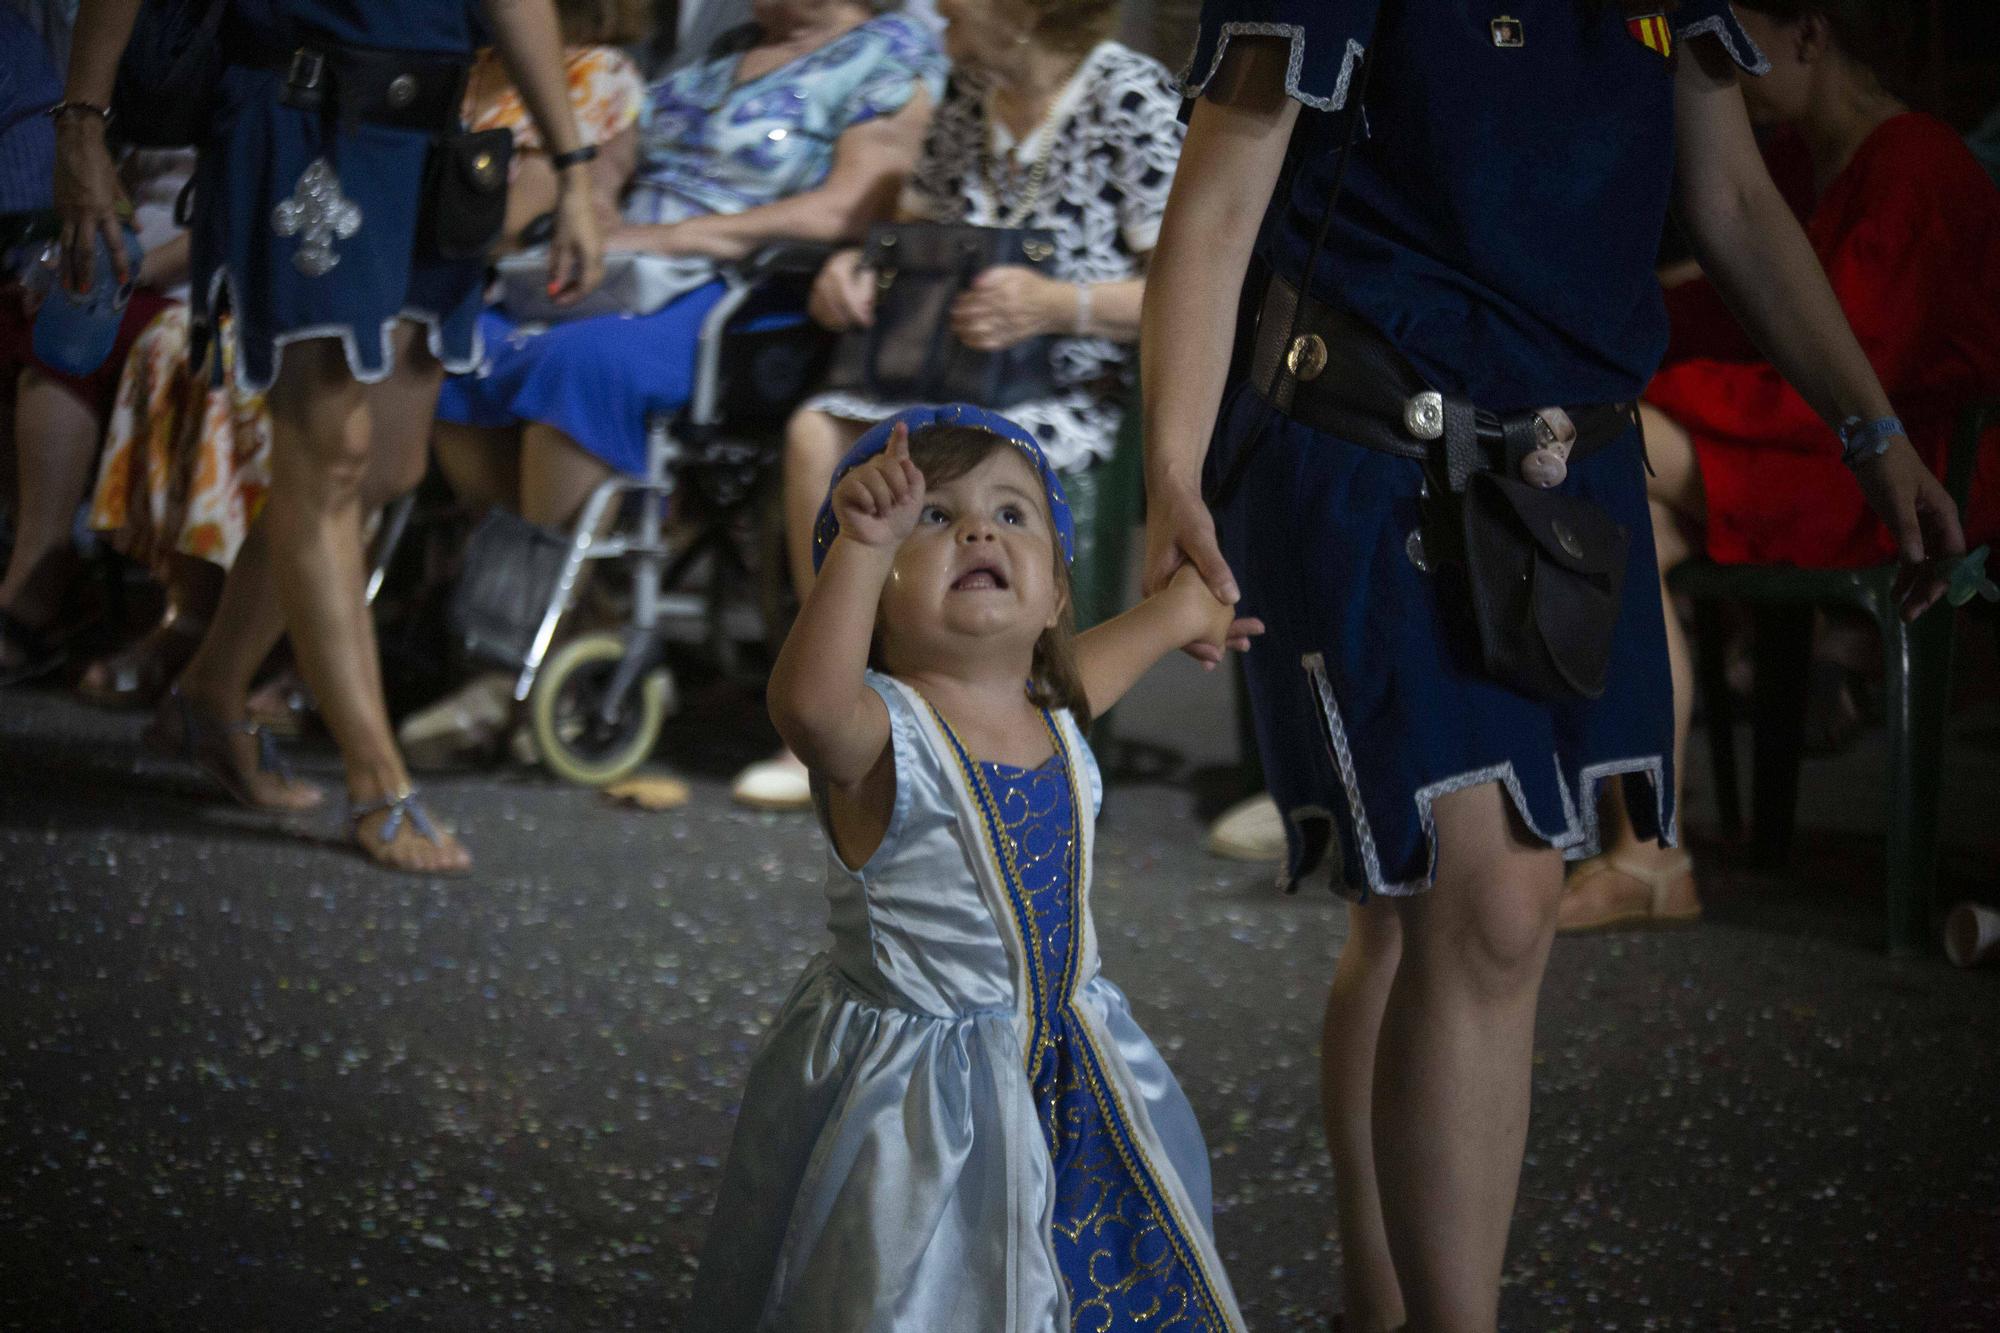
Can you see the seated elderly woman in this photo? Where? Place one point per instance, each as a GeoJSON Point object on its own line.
{"type": "Point", "coordinates": [1907, 226]}
{"type": "Point", "coordinates": [1047, 124]}
{"type": "Point", "coordinates": [800, 126]}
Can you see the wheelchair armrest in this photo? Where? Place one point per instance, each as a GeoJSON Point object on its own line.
{"type": "Point", "coordinates": [800, 258]}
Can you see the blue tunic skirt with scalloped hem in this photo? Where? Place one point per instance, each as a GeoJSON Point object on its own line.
{"type": "Point", "coordinates": [256, 157]}
{"type": "Point", "coordinates": [1498, 222]}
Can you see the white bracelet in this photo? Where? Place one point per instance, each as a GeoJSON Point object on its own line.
{"type": "Point", "coordinates": [1083, 310]}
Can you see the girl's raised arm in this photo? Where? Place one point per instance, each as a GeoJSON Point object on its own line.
{"type": "Point", "coordinates": [818, 699]}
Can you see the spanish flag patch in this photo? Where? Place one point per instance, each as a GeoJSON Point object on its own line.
{"type": "Point", "coordinates": [1652, 32]}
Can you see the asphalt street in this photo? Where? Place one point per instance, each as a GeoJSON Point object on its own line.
{"type": "Point", "coordinates": [249, 1082]}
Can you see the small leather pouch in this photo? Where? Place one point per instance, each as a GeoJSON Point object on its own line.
{"type": "Point", "coordinates": [465, 193]}
{"type": "Point", "coordinates": [1544, 570]}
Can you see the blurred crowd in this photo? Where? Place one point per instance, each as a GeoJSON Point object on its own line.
{"type": "Point", "coordinates": [812, 122]}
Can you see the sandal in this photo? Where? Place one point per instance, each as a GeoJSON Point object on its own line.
{"type": "Point", "coordinates": [139, 674]}
{"type": "Point", "coordinates": [1582, 910]}
{"type": "Point", "coordinates": [33, 654]}
{"type": "Point", "coordinates": [180, 730]}
{"type": "Point", "coordinates": [401, 809]}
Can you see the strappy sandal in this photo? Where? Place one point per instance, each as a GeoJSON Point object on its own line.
{"type": "Point", "coordinates": [1580, 913]}
{"type": "Point", "coordinates": [138, 675]}
{"type": "Point", "coordinates": [35, 654]}
{"type": "Point", "coordinates": [180, 730]}
{"type": "Point", "coordinates": [401, 808]}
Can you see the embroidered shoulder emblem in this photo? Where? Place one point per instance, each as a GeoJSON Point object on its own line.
{"type": "Point", "coordinates": [1651, 31]}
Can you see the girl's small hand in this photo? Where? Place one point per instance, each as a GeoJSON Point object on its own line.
{"type": "Point", "coordinates": [1003, 306]}
{"type": "Point", "coordinates": [843, 295]}
{"type": "Point", "coordinates": [1207, 621]}
{"type": "Point", "coordinates": [878, 502]}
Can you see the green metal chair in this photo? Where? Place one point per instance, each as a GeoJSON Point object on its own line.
{"type": "Point", "coordinates": [1917, 660]}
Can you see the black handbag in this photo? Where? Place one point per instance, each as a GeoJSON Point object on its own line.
{"type": "Point", "coordinates": [505, 583]}
{"type": "Point", "coordinates": [1543, 572]}
{"type": "Point", "coordinates": [465, 193]}
{"type": "Point", "coordinates": [165, 88]}
{"type": "Point", "coordinates": [909, 353]}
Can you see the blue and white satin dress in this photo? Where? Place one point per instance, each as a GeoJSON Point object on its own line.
{"type": "Point", "coordinates": [955, 1125]}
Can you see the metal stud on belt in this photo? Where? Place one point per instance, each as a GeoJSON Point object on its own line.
{"type": "Point", "coordinates": [1306, 357]}
{"type": "Point", "coordinates": [1423, 415]}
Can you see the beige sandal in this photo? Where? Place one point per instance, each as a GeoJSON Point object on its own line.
{"type": "Point", "coordinates": [1582, 911]}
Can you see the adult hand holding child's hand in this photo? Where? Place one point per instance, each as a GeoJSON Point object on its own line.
{"type": "Point", "coordinates": [1209, 620]}
{"type": "Point", "coordinates": [878, 502]}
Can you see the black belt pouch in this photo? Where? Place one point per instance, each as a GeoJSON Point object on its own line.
{"type": "Point", "coordinates": [465, 193]}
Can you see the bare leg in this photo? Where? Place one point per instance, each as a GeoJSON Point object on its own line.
{"type": "Point", "coordinates": [56, 440]}
{"type": "Point", "coordinates": [482, 465]}
{"type": "Point", "coordinates": [557, 476]}
{"type": "Point", "coordinates": [323, 426]}
{"type": "Point", "coordinates": [1453, 1067]}
{"type": "Point", "coordinates": [814, 445]}
{"type": "Point", "coordinates": [1638, 879]}
{"type": "Point", "coordinates": [1361, 983]}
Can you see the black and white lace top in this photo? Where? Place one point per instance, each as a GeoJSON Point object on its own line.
{"type": "Point", "coordinates": [1117, 138]}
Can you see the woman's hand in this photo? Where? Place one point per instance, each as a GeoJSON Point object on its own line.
{"type": "Point", "coordinates": [90, 199]}
{"type": "Point", "coordinates": [576, 251]}
{"type": "Point", "coordinates": [1918, 510]}
{"type": "Point", "coordinates": [1181, 532]}
{"type": "Point", "coordinates": [843, 295]}
{"type": "Point", "coordinates": [877, 503]}
{"type": "Point", "coordinates": [1008, 305]}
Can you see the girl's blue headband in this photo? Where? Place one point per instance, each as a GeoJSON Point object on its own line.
{"type": "Point", "coordinates": [827, 527]}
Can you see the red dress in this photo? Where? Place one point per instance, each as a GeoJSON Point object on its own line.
{"type": "Point", "coordinates": [1909, 234]}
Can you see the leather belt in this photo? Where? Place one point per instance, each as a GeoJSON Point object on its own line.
{"type": "Point", "coordinates": [407, 90]}
{"type": "Point", "coordinates": [1340, 377]}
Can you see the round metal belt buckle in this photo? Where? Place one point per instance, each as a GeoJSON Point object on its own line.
{"type": "Point", "coordinates": [402, 91]}
{"type": "Point", "coordinates": [1307, 356]}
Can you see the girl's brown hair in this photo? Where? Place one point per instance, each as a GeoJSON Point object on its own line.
{"type": "Point", "coordinates": [946, 453]}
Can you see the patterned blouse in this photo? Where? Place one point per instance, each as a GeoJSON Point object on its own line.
{"type": "Point", "coordinates": [1111, 141]}
{"type": "Point", "coordinates": [714, 145]}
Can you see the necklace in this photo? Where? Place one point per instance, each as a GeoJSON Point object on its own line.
{"type": "Point", "coordinates": [1038, 170]}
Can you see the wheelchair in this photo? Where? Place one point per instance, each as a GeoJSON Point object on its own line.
{"type": "Point", "coordinates": [679, 532]}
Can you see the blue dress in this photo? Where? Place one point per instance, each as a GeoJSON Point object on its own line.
{"type": "Point", "coordinates": [955, 1125]}
{"type": "Point", "coordinates": [260, 153]}
{"type": "Point", "coordinates": [1498, 225]}
{"type": "Point", "coordinates": [710, 145]}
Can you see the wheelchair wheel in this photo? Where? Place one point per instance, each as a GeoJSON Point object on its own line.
{"type": "Point", "coordinates": [577, 745]}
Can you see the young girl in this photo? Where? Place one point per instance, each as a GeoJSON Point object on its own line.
{"type": "Point", "coordinates": [955, 1125]}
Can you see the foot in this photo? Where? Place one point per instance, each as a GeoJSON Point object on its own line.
{"type": "Point", "coordinates": [467, 726]}
{"type": "Point", "coordinates": [398, 833]}
{"type": "Point", "coordinates": [137, 675]}
{"type": "Point", "coordinates": [778, 783]}
{"type": "Point", "coordinates": [1251, 830]}
{"type": "Point", "coordinates": [241, 756]}
{"type": "Point", "coordinates": [1629, 889]}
